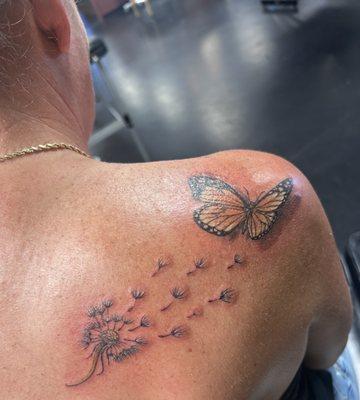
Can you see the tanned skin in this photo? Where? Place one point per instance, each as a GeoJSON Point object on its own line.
{"type": "Point", "coordinates": [76, 233]}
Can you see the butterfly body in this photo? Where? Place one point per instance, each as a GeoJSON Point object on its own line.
{"type": "Point", "coordinates": [226, 210]}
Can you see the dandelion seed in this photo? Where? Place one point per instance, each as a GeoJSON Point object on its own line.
{"type": "Point", "coordinates": [237, 261]}
{"type": "Point", "coordinates": [161, 263]}
{"type": "Point", "coordinates": [93, 326]}
{"type": "Point", "coordinates": [159, 266]}
{"type": "Point", "coordinates": [107, 303]}
{"type": "Point", "coordinates": [144, 323]}
{"type": "Point", "coordinates": [116, 357]}
{"type": "Point", "coordinates": [140, 340]}
{"type": "Point", "coordinates": [125, 321]}
{"type": "Point", "coordinates": [116, 317]}
{"type": "Point", "coordinates": [125, 353]}
{"type": "Point", "coordinates": [137, 294]}
{"type": "Point", "coordinates": [177, 332]}
{"type": "Point", "coordinates": [198, 264]}
{"type": "Point", "coordinates": [226, 295]}
{"type": "Point", "coordinates": [101, 309]}
{"type": "Point", "coordinates": [86, 339]}
{"type": "Point", "coordinates": [92, 312]}
{"type": "Point", "coordinates": [177, 294]}
{"type": "Point", "coordinates": [85, 342]}
{"type": "Point", "coordinates": [130, 351]}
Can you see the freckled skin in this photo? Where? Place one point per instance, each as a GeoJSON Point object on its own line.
{"type": "Point", "coordinates": [106, 243]}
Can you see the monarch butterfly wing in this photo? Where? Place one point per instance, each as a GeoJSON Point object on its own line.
{"type": "Point", "coordinates": [215, 191]}
{"type": "Point", "coordinates": [265, 209]}
{"type": "Point", "coordinates": [224, 208]}
{"type": "Point", "coordinates": [259, 224]}
{"type": "Point", "coordinates": [220, 220]}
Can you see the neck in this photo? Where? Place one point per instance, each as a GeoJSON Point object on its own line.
{"type": "Point", "coordinates": [18, 130]}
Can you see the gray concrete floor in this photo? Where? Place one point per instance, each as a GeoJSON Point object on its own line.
{"type": "Point", "coordinates": [207, 75]}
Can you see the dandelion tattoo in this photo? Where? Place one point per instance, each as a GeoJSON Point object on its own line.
{"type": "Point", "coordinates": [176, 332]}
{"type": "Point", "coordinates": [105, 339]}
{"type": "Point", "coordinates": [198, 264]}
{"type": "Point", "coordinates": [136, 295]}
{"type": "Point", "coordinates": [177, 294]}
{"type": "Point", "coordinates": [161, 264]}
{"type": "Point", "coordinates": [238, 260]}
{"type": "Point", "coordinates": [144, 323]}
{"type": "Point", "coordinates": [226, 296]}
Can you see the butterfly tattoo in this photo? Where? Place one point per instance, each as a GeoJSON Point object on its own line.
{"type": "Point", "coordinates": [226, 209]}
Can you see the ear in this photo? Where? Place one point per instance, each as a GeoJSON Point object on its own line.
{"type": "Point", "coordinates": [52, 19]}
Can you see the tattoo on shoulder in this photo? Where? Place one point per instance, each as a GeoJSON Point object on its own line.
{"type": "Point", "coordinates": [112, 337]}
{"type": "Point", "coordinates": [226, 210]}
{"type": "Point", "coordinates": [104, 336]}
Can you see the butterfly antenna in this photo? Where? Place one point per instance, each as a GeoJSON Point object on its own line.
{"type": "Point", "coordinates": [259, 197]}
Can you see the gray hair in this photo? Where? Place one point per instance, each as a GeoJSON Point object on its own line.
{"type": "Point", "coordinates": [10, 48]}
{"type": "Point", "coordinates": [4, 23]}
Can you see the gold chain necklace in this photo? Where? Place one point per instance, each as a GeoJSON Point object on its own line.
{"type": "Point", "coordinates": [40, 148]}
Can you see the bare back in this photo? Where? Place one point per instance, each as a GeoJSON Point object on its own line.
{"type": "Point", "coordinates": [114, 286]}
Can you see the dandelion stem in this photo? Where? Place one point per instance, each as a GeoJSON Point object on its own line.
{"type": "Point", "coordinates": [108, 356]}
{"type": "Point", "coordinates": [164, 336]}
{"type": "Point", "coordinates": [94, 364]}
{"type": "Point", "coordinates": [213, 300]}
{"type": "Point", "coordinates": [166, 307]}
{"type": "Point", "coordinates": [134, 329]}
{"type": "Point", "coordinates": [102, 362]}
